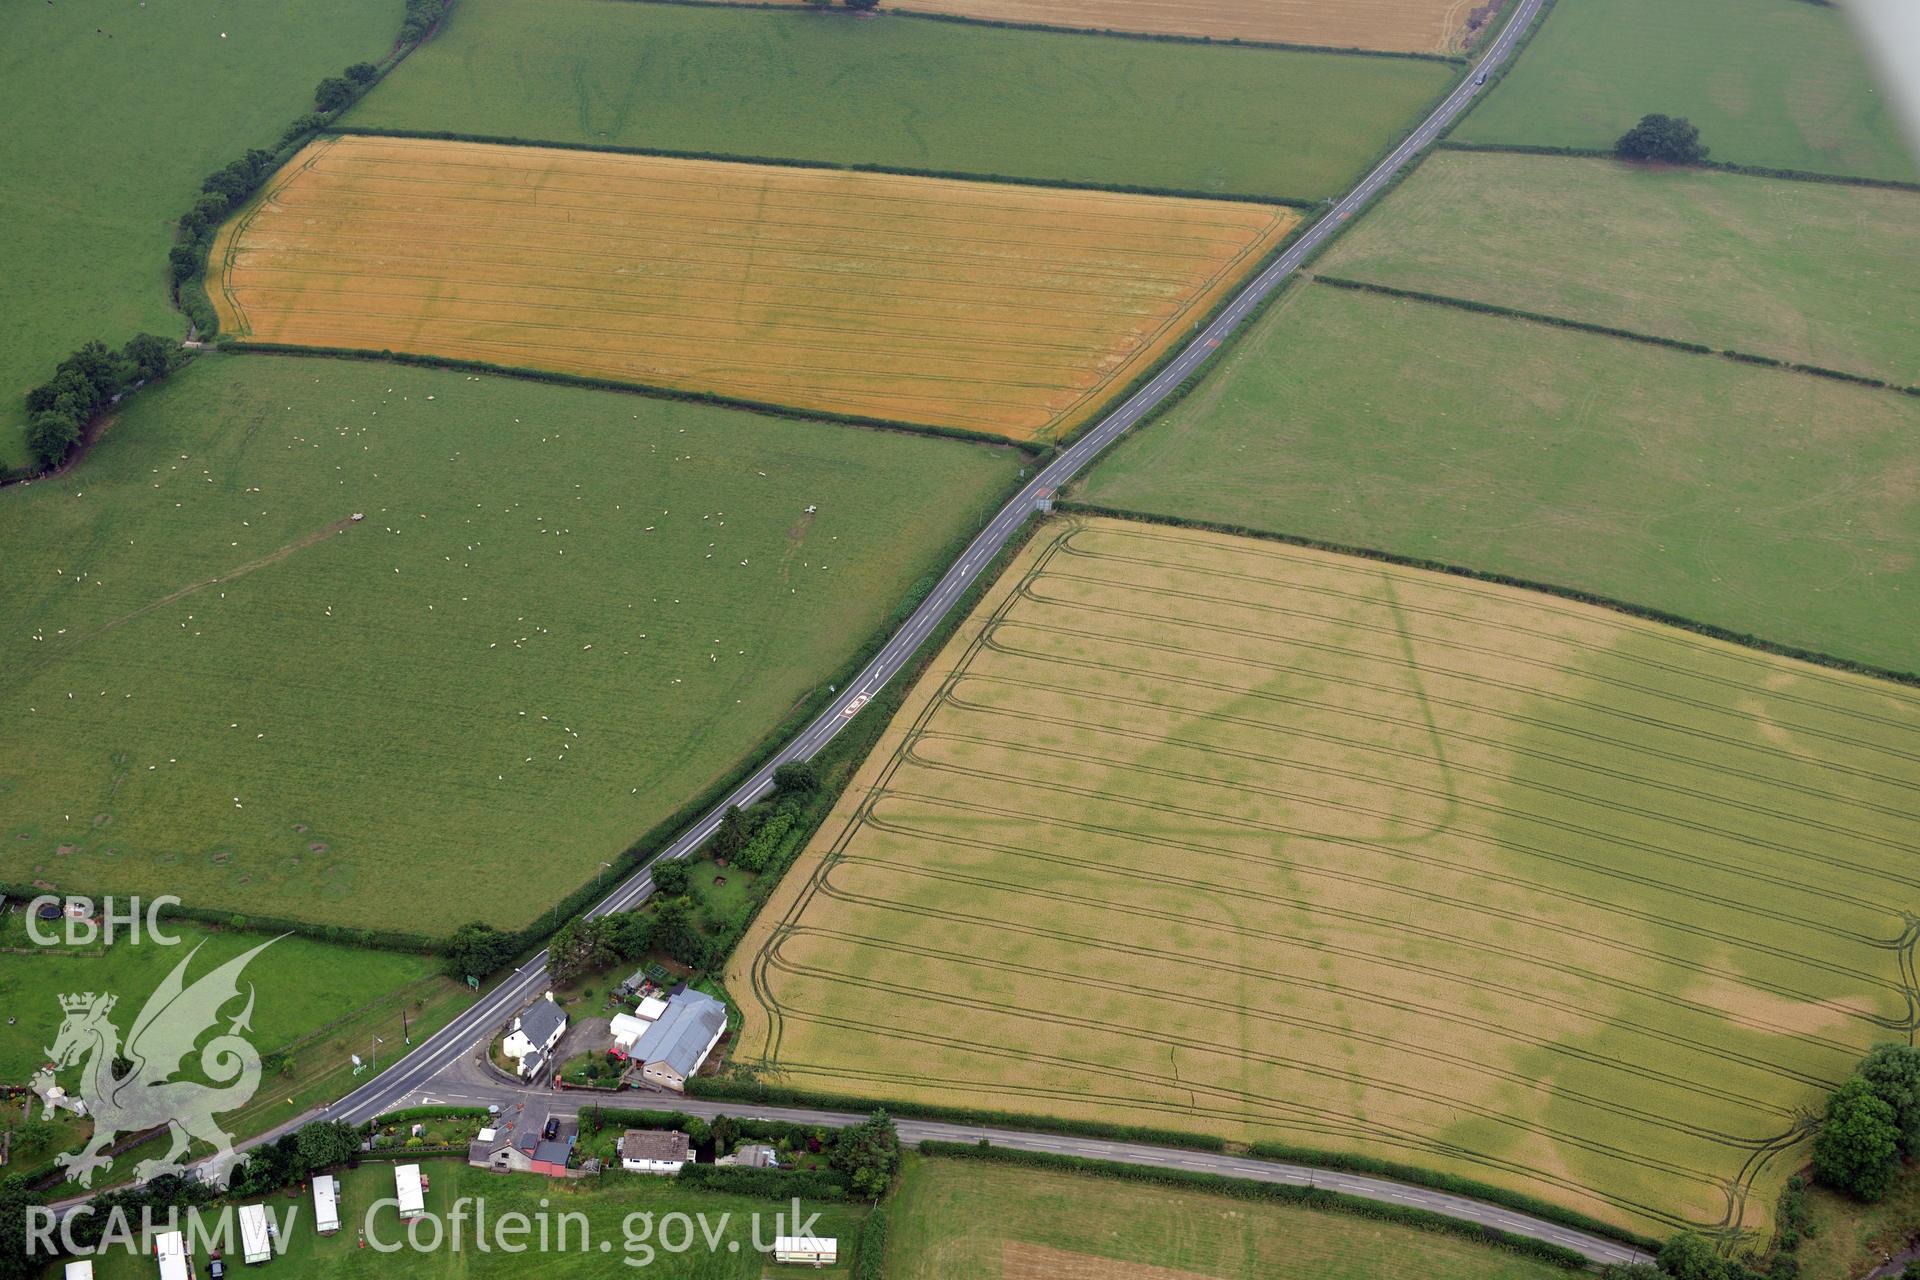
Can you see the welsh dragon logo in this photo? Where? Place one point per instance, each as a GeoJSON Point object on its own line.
{"type": "Point", "coordinates": [143, 1094]}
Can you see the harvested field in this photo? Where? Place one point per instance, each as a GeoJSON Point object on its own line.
{"type": "Point", "coordinates": [1225, 835]}
{"type": "Point", "coordinates": [1006, 310]}
{"type": "Point", "coordinates": [1400, 26]}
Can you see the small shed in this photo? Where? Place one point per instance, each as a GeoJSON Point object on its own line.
{"type": "Point", "coordinates": [650, 1009]}
{"type": "Point", "coordinates": [256, 1240]}
{"type": "Point", "coordinates": [170, 1250]}
{"type": "Point", "coordinates": [814, 1251]}
{"type": "Point", "coordinates": [625, 1029]}
{"type": "Point", "coordinates": [81, 1270]}
{"type": "Point", "coordinates": [326, 1204]}
{"type": "Point", "coordinates": [409, 1191]}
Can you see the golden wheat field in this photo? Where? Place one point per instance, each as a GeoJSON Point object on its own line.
{"type": "Point", "coordinates": [1230, 836]}
{"type": "Point", "coordinates": [1398, 26]}
{"type": "Point", "coordinates": [1000, 309]}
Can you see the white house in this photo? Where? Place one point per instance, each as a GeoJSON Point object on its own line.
{"type": "Point", "coordinates": [535, 1030]}
{"type": "Point", "coordinates": [410, 1191]}
{"type": "Point", "coordinates": [256, 1242]}
{"type": "Point", "coordinates": [650, 1009]}
{"type": "Point", "coordinates": [812, 1250]}
{"type": "Point", "coordinates": [326, 1204]}
{"type": "Point", "coordinates": [81, 1270]}
{"type": "Point", "coordinates": [673, 1048]}
{"type": "Point", "coordinates": [654, 1150]}
{"type": "Point", "coordinates": [170, 1248]}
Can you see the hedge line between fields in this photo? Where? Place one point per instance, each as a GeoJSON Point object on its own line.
{"type": "Point", "coordinates": [1710, 630]}
{"type": "Point", "coordinates": [380, 939]}
{"type": "Point", "coordinates": [870, 1255]}
{"type": "Point", "coordinates": [1155, 37]}
{"type": "Point", "coordinates": [1515, 313]}
{"type": "Point", "coordinates": [787, 162]}
{"type": "Point", "coordinates": [1271, 1192]}
{"type": "Point", "coordinates": [1712, 166]}
{"type": "Point", "coordinates": [246, 346]}
{"type": "Point", "coordinates": [719, 1088]}
{"type": "Point", "coordinates": [1612, 331]}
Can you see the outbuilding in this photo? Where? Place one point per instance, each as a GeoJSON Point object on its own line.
{"type": "Point", "coordinates": [672, 1049]}
{"type": "Point", "coordinates": [808, 1250]}
{"type": "Point", "coordinates": [80, 1270]}
{"type": "Point", "coordinates": [410, 1191]}
{"type": "Point", "coordinates": [170, 1250]}
{"type": "Point", "coordinates": [326, 1204]}
{"type": "Point", "coordinates": [256, 1235]}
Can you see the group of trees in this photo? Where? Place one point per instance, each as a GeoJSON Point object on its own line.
{"type": "Point", "coordinates": [310, 1148]}
{"type": "Point", "coordinates": [868, 1153]}
{"type": "Point", "coordinates": [587, 944]}
{"type": "Point", "coordinates": [1688, 1256]}
{"type": "Point", "coordinates": [1872, 1122]}
{"type": "Point", "coordinates": [1666, 139]}
{"type": "Point", "coordinates": [337, 93]}
{"type": "Point", "coordinates": [860, 6]}
{"type": "Point", "coordinates": [59, 409]}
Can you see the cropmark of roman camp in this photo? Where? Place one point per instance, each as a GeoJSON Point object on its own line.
{"type": "Point", "coordinates": [1006, 310]}
{"type": "Point", "coordinates": [1246, 839]}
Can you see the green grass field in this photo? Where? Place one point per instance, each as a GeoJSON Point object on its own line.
{"type": "Point", "coordinates": [1804, 271]}
{"type": "Point", "coordinates": [1224, 835]}
{"type": "Point", "coordinates": [316, 1004]}
{"type": "Point", "coordinates": [115, 111]}
{"type": "Point", "coordinates": [627, 1211]}
{"type": "Point", "coordinates": [290, 1007]}
{"type": "Point", "coordinates": [906, 93]}
{"type": "Point", "coordinates": [1773, 504]}
{"type": "Point", "coordinates": [954, 1218]}
{"type": "Point", "coordinates": [565, 613]}
{"type": "Point", "coordinates": [1777, 83]}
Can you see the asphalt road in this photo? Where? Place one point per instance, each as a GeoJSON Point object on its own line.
{"type": "Point", "coordinates": [413, 1079]}
{"type": "Point", "coordinates": [493, 1009]}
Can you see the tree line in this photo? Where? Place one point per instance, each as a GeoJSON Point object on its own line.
{"type": "Point", "coordinates": [59, 409]}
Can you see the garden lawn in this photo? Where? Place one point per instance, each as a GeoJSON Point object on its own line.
{"type": "Point", "coordinates": [1001, 1222]}
{"type": "Point", "coordinates": [1776, 83]}
{"type": "Point", "coordinates": [115, 111]}
{"type": "Point", "coordinates": [906, 93]}
{"type": "Point", "coordinates": [626, 1211]}
{"type": "Point", "coordinates": [1770, 503]}
{"type": "Point", "coordinates": [565, 614]}
{"type": "Point", "coordinates": [1809, 272]}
